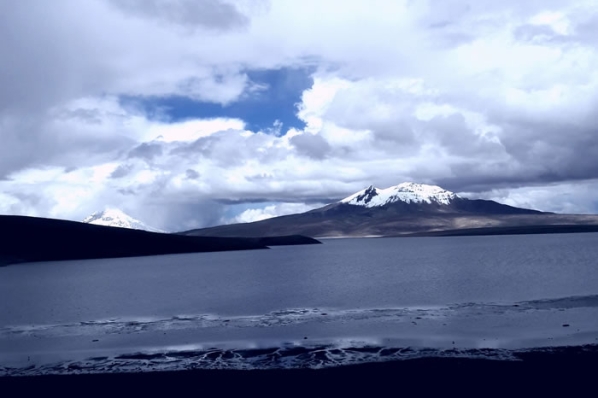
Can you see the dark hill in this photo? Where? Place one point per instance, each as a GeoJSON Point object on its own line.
{"type": "Point", "coordinates": [26, 239]}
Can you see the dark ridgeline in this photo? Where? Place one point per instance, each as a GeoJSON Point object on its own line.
{"type": "Point", "coordinates": [26, 239]}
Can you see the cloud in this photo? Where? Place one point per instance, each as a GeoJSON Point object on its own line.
{"type": "Point", "coordinates": [567, 198]}
{"type": "Point", "coordinates": [263, 213]}
{"type": "Point", "coordinates": [121, 171]}
{"type": "Point", "coordinates": [192, 174]}
{"type": "Point", "coordinates": [489, 98]}
{"type": "Point", "coordinates": [211, 14]}
{"type": "Point", "coordinates": [146, 151]}
{"type": "Point", "coordinates": [311, 145]}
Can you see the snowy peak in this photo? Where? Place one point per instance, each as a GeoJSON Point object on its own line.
{"type": "Point", "coordinates": [408, 192]}
{"type": "Point", "coordinates": [117, 218]}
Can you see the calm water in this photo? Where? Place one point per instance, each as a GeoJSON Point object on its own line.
{"type": "Point", "coordinates": [341, 274]}
{"type": "Point", "coordinates": [346, 301]}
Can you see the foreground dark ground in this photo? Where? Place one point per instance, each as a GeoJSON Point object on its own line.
{"type": "Point", "coordinates": [570, 371]}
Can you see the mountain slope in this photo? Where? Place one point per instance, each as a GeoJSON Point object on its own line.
{"type": "Point", "coordinates": [402, 209]}
{"type": "Point", "coordinates": [116, 218]}
{"type": "Point", "coordinates": [26, 239]}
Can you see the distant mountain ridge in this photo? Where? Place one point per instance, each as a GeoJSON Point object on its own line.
{"type": "Point", "coordinates": [403, 209]}
{"type": "Point", "coordinates": [112, 217]}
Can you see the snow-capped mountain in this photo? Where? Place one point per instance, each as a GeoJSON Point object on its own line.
{"type": "Point", "coordinates": [407, 192]}
{"type": "Point", "coordinates": [405, 208]}
{"type": "Point", "coordinates": [117, 218]}
{"type": "Point", "coordinates": [417, 199]}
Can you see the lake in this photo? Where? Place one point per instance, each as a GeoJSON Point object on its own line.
{"type": "Point", "coordinates": [354, 295]}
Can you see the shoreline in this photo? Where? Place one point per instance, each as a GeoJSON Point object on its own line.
{"type": "Point", "coordinates": [301, 338]}
{"type": "Point", "coordinates": [485, 231]}
{"type": "Point", "coordinates": [566, 367]}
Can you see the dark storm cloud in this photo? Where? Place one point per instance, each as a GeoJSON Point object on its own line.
{"type": "Point", "coordinates": [11, 156]}
{"type": "Point", "coordinates": [39, 69]}
{"type": "Point", "coordinates": [556, 151]}
{"type": "Point", "coordinates": [146, 151]}
{"type": "Point", "coordinates": [211, 14]}
{"type": "Point", "coordinates": [127, 191]}
{"type": "Point", "coordinates": [180, 214]}
{"type": "Point", "coordinates": [191, 174]}
{"type": "Point", "coordinates": [122, 171]}
{"type": "Point", "coordinates": [473, 177]}
{"type": "Point", "coordinates": [39, 72]}
{"type": "Point", "coordinates": [539, 154]}
{"type": "Point", "coordinates": [453, 133]}
{"type": "Point", "coordinates": [310, 145]}
{"type": "Point", "coordinates": [399, 134]}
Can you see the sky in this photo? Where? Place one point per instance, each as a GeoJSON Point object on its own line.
{"type": "Point", "coordinates": [193, 113]}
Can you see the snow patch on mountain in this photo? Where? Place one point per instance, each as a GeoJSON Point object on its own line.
{"type": "Point", "coordinates": [408, 192]}
{"type": "Point", "coordinates": [117, 218]}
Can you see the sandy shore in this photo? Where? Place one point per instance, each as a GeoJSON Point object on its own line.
{"type": "Point", "coordinates": [570, 370]}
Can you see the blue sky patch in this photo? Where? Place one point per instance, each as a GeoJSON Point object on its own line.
{"type": "Point", "coordinates": [259, 109]}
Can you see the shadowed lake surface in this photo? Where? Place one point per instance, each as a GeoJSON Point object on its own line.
{"type": "Point", "coordinates": [479, 292]}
